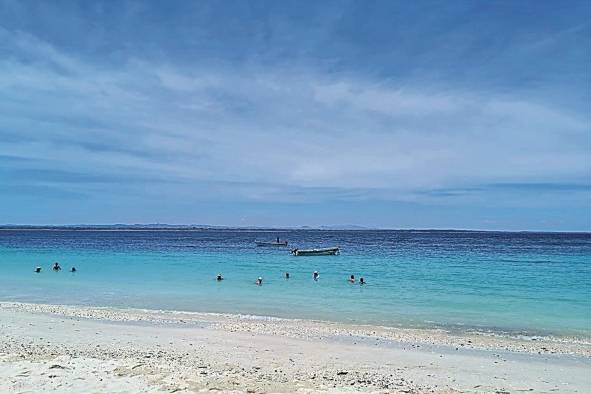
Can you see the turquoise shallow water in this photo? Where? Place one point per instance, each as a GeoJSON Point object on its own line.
{"type": "Point", "coordinates": [526, 283]}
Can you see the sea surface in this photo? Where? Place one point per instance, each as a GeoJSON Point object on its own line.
{"type": "Point", "coordinates": [501, 282]}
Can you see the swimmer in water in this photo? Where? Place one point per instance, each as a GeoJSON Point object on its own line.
{"type": "Point", "coordinates": [351, 279]}
{"type": "Point", "coordinates": [316, 275]}
{"type": "Point", "coordinates": [37, 269]}
{"type": "Point", "coordinates": [219, 277]}
{"type": "Point", "coordinates": [361, 281]}
{"type": "Point", "coordinates": [287, 275]}
{"type": "Point", "coordinates": [73, 269]}
{"type": "Point", "coordinates": [56, 266]}
{"type": "Point", "coordinates": [259, 281]}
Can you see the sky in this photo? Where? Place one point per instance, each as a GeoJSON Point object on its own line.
{"type": "Point", "coordinates": [387, 114]}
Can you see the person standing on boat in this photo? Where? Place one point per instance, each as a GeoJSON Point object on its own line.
{"type": "Point", "coordinates": [277, 239]}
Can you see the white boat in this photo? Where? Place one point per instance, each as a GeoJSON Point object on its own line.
{"type": "Point", "coordinates": [271, 243]}
{"type": "Point", "coordinates": [316, 252]}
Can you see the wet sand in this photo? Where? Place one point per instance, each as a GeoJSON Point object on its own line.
{"type": "Point", "coordinates": [85, 349]}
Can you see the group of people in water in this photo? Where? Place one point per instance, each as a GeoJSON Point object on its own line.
{"type": "Point", "coordinates": [259, 281]}
{"type": "Point", "coordinates": [56, 267]}
{"type": "Point", "coordinates": [352, 280]}
{"type": "Point", "coordinates": [315, 276]}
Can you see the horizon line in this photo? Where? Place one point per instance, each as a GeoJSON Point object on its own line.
{"type": "Point", "coordinates": [350, 227]}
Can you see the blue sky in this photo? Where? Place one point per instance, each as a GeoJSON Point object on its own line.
{"type": "Point", "coordinates": [384, 114]}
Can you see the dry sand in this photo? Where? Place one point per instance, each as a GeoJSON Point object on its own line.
{"type": "Point", "coordinates": [98, 350]}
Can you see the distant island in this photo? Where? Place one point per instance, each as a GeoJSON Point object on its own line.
{"type": "Point", "coordinates": [171, 227]}
{"type": "Point", "coordinates": [207, 227]}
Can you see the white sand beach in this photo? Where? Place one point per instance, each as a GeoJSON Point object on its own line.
{"type": "Point", "coordinates": [95, 350]}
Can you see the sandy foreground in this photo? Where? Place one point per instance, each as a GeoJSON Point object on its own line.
{"type": "Point", "coordinates": [100, 350]}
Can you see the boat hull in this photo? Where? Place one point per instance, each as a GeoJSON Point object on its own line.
{"type": "Point", "coordinates": [270, 243]}
{"type": "Point", "coordinates": [315, 252]}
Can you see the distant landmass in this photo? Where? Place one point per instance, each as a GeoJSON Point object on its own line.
{"type": "Point", "coordinates": [117, 226]}
{"type": "Point", "coordinates": [164, 226]}
{"type": "Point", "coordinates": [344, 227]}
{"type": "Point", "coordinates": [205, 227]}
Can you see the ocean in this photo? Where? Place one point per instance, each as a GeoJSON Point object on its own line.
{"type": "Point", "coordinates": [499, 282]}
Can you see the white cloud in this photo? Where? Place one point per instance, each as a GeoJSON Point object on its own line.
{"type": "Point", "coordinates": [276, 128]}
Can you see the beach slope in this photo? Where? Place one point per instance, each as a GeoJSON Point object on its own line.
{"type": "Point", "coordinates": [84, 349]}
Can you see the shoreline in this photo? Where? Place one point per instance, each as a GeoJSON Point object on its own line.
{"type": "Point", "coordinates": [457, 329]}
{"type": "Point", "coordinates": [467, 339]}
{"type": "Point", "coordinates": [70, 348]}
